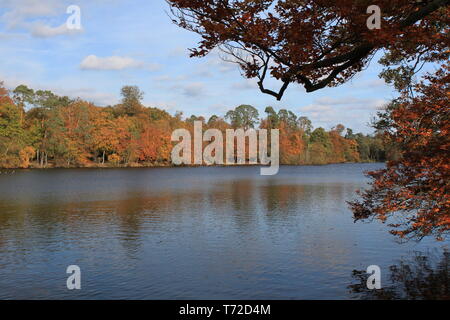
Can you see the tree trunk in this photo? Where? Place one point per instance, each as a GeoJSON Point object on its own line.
{"type": "Point", "coordinates": [7, 149]}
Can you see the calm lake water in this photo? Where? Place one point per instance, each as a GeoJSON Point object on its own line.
{"type": "Point", "coordinates": [189, 233]}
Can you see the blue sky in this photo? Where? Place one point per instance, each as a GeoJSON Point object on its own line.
{"type": "Point", "coordinates": [134, 43]}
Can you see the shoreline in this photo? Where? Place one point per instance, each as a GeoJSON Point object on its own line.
{"type": "Point", "coordinates": [7, 170]}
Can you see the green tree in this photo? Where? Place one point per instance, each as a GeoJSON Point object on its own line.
{"type": "Point", "coordinates": [22, 96]}
{"type": "Point", "coordinates": [289, 118]}
{"type": "Point", "coordinates": [320, 136]}
{"type": "Point", "coordinates": [213, 119]}
{"type": "Point", "coordinates": [319, 147]}
{"type": "Point", "coordinates": [305, 124]}
{"type": "Point", "coordinates": [244, 116]}
{"type": "Point", "coordinates": [272, 118]}
{"type": "Point", "coordinates": [349, 134]}
{"type": "Point", "coordinates": [131, 100]}
{"type": "Point", "coordinates": [11, 132]}
{"type": "Point", "coordinates": [194, 118]}
{"type": "Point", "coordinates": [339, 129]}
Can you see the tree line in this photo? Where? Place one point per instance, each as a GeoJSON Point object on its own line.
{"type": "Point", "coordinates": [320, 44]}
{"type": "Point", "coordinates": [39, 129]}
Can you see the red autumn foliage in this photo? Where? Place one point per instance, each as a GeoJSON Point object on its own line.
{"type": "Point", "coordinates": [319, 43]}
{"type": "Point", "coordinates": [415, 190]}
{"type": "Point", "coordinates": [315, 43]}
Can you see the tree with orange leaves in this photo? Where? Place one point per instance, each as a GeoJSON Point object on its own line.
{"type": "Point", "coordinates": [320, 43]}
{"type": "Point", "coordinates": [315, 43]}
{"type": "Point", "coordinates": [105, 137]}
{"type": "Point", "coordinates": [414, 191]}
{"type": "Point", "coordinates": [292, 146]}
{"type": "Point", "coordinates": [155, 143]}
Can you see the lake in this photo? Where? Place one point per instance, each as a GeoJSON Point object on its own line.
{"type": "Point", "coordinates": [190, 233]}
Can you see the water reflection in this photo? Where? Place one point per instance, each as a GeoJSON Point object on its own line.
{"type": "Point", "coordinates": [224, 233]}
{"type": "Point", "coordinates": [424, 276]}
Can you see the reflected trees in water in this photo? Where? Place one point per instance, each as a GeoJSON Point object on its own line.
{"type": "Point", "coordinates": [424, 276]}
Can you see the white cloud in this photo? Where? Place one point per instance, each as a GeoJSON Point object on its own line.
{"type": "Point", "coordinates": [152, 67]}
{"type": "Point", "coordinates": [33, 16]}
{"type": "Point", "coordinates": [179, 52]}
{"type": "Point", "coordinates": [368, 84]}
{"type": "Point", "coordinates": [18, 11]}
{"type": "Point", "coordinates": [348, 103]}
{"type": "Point", "coordinates": [169, 106]}
{"type": "Point", "coordinates": [169, 78]}
{"type": "Point", "coordinates": [214, 65]}
{"type": "Point", "coordinates": [316, 108]}
{"type": "Point", "coordinates": [329, 111]}
{"type": "Point", "coordinates": [246, 84]}
{"type": "Point", "coordinates": [92, 62]}
{"type": "Point", "coordinates": [11, 82]}
{"type": "Point", "coordinates": [89, 94]}
{"type": "Point", "coordinates": [43, 31]}
{"type": "Point", "coordinates": [194, 89]}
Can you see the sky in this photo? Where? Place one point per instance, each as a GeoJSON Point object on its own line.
{"type": "Point", "coordinates": [123, 42]}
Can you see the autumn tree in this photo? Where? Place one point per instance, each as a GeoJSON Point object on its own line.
{"type": "Point", "coordinates": [288, 118]}
{"type": "Point", "coordinates": [194, 118]}
{"type": "Point", "coordinates": [413, 192]}
{"type": "Point", "coordinates": [156, 114]}
{"type": "Point", "coordinates": [318, 43]}
{"type": "Point", "coordinates": [273, 121]}
{"type": "Point", "coordinates": [78, 132]}
{"type": "Point", "coordinates": [62, 132]}
{"type": "Point", "coordinates": [305, 124]}
{"type": "Point", "coordinates": [216, 122]}
{"type": "Point", "coordinates": [315, 43]}
{"type": "Point", "coordinates": [131, 100]}
{"type": "Point", "coordinates": [15, 148]}
{"type": "Point", "coordinates": [292, 145]}
{"type": "Point", "coordinates": [155, 143]}
{"type": "Point", "coordinates": [3, 91]}
{"type": "Point", "coordinates": [11, 131]}
{"type": "Point", "coordinates": [45, 121]}
{"type": "Point", "coordinates": [105, 137]}
{"type": "Point", "coordinates": [343, 149]}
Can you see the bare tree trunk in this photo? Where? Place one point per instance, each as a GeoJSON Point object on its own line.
{"type": "Point", "coordinates": [7, 149]}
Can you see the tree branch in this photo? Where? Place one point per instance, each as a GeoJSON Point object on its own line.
{"type": "Point", "coordinates": [354, 56]}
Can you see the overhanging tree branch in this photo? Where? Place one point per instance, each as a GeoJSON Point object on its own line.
{"type": "Point", "coordinates": [338, 46]}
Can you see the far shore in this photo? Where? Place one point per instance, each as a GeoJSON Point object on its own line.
{"type": "Point", "coordinates": [148, 166]}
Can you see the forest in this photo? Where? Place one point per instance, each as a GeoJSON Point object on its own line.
{"type": "Point", "coordinates": [39, 129]}
{"type": "Point", "coordinates": [321, 44]}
